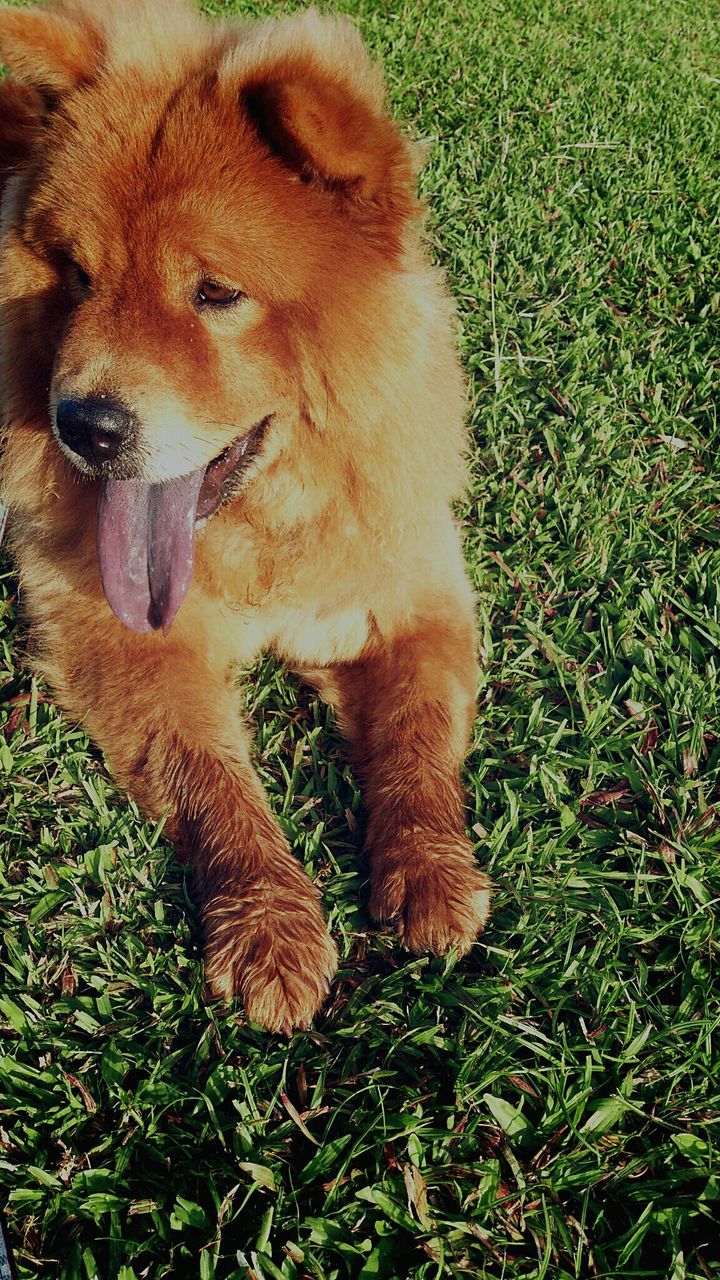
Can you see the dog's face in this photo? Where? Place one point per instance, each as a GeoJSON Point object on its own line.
{"type": "Point", "coordinates": [178, 226]}
{"type": "Point", "coordinates": [186, 219]}
{"type": "Point", "coordinates": [182, 268]}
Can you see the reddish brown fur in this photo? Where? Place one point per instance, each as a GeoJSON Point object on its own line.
{"type": "Point", "coordinates": [261, 155]}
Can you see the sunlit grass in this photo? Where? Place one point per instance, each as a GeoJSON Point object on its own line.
{"type": "Point", "coordinates": [549, 1106]}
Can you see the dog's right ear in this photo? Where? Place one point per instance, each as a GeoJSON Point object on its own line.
{"type": "Point", "coordinates": [48, 53]}
{"type": "Point", "coordinates": [50, 50]}
{"type": "Point", "coordinates": [20, 112]}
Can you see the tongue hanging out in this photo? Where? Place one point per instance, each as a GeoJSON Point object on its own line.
{"type": "Point", "coordinates": [146, 545]}
{"type": "Point", "coordinates": [146, 533]}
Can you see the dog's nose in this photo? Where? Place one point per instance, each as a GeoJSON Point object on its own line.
{"type": "Point", "coordinates": [96, 428]}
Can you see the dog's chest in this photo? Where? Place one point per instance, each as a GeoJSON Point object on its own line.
{"type": "Point", "coordinates": [321, 635]}
{"type": "Point", "coordinates": [313, 634]}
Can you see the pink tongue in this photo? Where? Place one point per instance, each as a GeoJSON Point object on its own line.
{"type": "Point", "coordinates": [146, 545]}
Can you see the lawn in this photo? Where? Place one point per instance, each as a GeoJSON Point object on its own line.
{"type": "Point", "coordinates": [548, 1106]}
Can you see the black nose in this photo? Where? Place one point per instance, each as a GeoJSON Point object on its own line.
{"type": "Point", "coordinates": [96, 428]}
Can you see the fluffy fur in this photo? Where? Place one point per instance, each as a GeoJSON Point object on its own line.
{"type": "Point", "coordinates": [139, 145]}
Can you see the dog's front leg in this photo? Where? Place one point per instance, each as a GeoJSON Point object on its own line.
{"type": "Point", "coordinates": [406, 707]}
{"type": "Point", "coordinates": [172, 735]}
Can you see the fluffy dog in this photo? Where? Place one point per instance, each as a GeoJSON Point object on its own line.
{"type": "Point", "coordinates": [233, 421]}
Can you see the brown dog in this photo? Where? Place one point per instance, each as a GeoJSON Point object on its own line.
{"type": "Point", "coordinates": [233, 422]}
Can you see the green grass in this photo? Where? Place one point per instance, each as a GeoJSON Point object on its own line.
{"type": "Point", "coordinates": [548, 1107]}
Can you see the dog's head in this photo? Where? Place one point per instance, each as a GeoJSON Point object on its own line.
{"type": "Point", "coordinates": [186, 202]}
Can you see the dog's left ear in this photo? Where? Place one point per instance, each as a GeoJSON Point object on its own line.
{"type": "Point", "coordinates": [49, 50]}
{"type": "Point", "coordinates": [326, 134]}
{"type": "Point", "coordinates": [317, 102]}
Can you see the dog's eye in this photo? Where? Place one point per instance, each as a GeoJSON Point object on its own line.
{"type": "Point", "coordinates": [213, 294]}
{"type": "Point", "coordinates": [76, 276]}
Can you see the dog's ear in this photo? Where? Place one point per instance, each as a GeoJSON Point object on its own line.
{"type": "Point", "coordinates": [325, 133]}
{"type": "Point", "coordinates": [317, 101]}
{"type": "Point", "coordinates": [20, 109]}
{"type": "Point", "coordinates": [52, 51]}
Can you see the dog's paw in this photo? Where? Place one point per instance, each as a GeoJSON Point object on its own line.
{"type": "Point", "coordinates": [280, 961]}
{"type": "Point", "coordinates": [433, 890]}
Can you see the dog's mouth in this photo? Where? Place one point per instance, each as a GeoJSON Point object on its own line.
{"type": "Point", "coordinates": [223, 475]}
{"type": "Point", "coordinates": [146, 533]}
